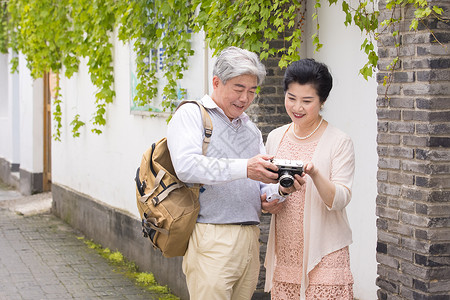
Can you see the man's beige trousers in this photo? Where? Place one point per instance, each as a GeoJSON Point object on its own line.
{"type": "Point", "coordinates": [222, 262]}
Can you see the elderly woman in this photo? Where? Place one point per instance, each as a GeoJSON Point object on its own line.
{"type": "Point", "coordinates": [307, 252]}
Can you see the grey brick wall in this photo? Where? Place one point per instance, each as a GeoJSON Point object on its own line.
{"type": "Point", "coordinates": [268, 112]}
{"type": "Point", "coordinates": [413, 203]}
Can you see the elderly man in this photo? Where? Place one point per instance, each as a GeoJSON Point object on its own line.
{"type": "Point", "coordinates": [222, 259]}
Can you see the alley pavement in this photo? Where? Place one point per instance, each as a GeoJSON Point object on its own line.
{"type": "Point", "coordinates": [41, 257]}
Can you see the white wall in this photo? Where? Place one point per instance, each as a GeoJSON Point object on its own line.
{"type": "Point", "coordinates": [31, 99]}
{"type": "Point", "coordinates": [5, 123]}
{"type": "Point", "coordinates": [9, 111]}
{"type": "Point", "coordinates": [104, 166]}
{"type": "Point", "coordinates": [351, 107]}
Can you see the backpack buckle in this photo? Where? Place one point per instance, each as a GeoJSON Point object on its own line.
{"type": "Point", "coordinates": [208, 132]}
{"type": "Point", "coordinates": [155, 200]}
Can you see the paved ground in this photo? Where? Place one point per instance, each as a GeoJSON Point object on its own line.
{"type": "Point", "coordinates": [41, 257]}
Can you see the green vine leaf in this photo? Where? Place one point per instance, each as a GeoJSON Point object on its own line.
{"type": "Point", "coordinates": [54, 35]}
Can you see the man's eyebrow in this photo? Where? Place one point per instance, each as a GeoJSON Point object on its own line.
{"type": "Point", "coordinates": [243, 87]}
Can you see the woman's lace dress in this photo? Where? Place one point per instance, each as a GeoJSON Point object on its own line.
{"type": "Point", "coordinates": [331, 278]}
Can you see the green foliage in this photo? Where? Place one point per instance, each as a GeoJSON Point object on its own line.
{"type": "Point", "coordinates": [55, 34]}
{"type": "Point", "coordinates": [3, 27]}
{"type": "Point", "coordinates": [130, 270]}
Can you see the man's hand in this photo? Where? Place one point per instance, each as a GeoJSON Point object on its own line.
{"type": "Point", "coordinates": [272, 207]}
{"type": "Point", "coordinates": [258, 168]}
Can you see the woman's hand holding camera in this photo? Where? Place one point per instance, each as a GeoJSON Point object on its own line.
{"type": "Point", "coordinates": [298, 182]}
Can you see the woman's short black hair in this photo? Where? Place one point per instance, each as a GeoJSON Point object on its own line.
{"type": "Point", "coordinates": [309, 71]}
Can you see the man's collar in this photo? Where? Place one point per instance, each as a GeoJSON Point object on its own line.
{"type": "Point", "coordinates": [209, 103]}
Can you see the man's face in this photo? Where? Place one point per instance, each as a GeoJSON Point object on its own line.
{"type": "Point", "coordinates": [236, 95]}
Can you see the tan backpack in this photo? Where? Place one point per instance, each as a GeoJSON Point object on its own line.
{"type": "Point", "coordinates": [168, 207]}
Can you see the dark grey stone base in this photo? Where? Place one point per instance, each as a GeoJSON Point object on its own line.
{"type": "Point", "coordinates": [30, 183]}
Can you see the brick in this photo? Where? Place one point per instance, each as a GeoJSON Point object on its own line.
{"type": "Point", "coordinates": [387, 40]}
{"type": "Point", "coordinates": [387, 285]}
{"type": "Point", "coordinates": [393, 275]}
{"type": "Point", "coordinates": [391, 89]}
{"type": "Point", "coordinates": [401, 127]}
{"type": "Point", "coordinates": [431, 49]}
{"type": "Point", "coordinates": [434, 234]}
{"type": "Point", "coordinates": [388, 213]}
{"type": "Point", "coordinates": [439, 142]}
{"type": "Point", "coordinates": [382, 126]}
{"type": "Point", "coordinates": [406, 179]}
{"type": "Point", "coordinates": [383, 101]}
{"type": "Point", "coordinates": [400, 228]}
{"type": "Point", "coordinates": [401, 102]}
{"type": "Point", "coordinates": [439, 63]}
{"type": "Point", "coordinates": [381, 200]}
{"type": "Point", "coordinates": [389, 189]}
{"type": "Point", "coordinates": [416, 38]}
{"type": "Point", "coordinates": [418, 141]}
{"type": "Point", "coordinates": [407, 50]}
{"type": "Point", "coordinates": [439, 222]}
{"type": "Point", "coordinates": [388, 238]}
{"type": "Point", "coordinates": [382, 175]}
{"type": "Point", "coordinates": [412, 219]}
{"type": "Point", "coordinates": [439, 116]}
{"type": "Point", "coordinates": [401, 152]}
{"type": "Point", "coordinates": [416, 63]}
{"type": "Point", "coordinates": [416, 167]}
{"type": "Point", "coordinates": [434, 88]}
{"type": "Point", "coordinates": [269, 100]}
{"type": "Point", "coordinates": [388, 139]}
{"type": "Point", "coordinates": [441, 182]}
{"type": "Point", "coordinates": [386, 52]}
{"type": "Point", "coordinates": [381, 248]}
{"type": "Point", "coordinates": [433, 209]}
{"type": "Point", "coordinates": [420, 285]}
{"type": "Point", "coordinates": [433, 103]}
{"type": "Point", "coordinates": [268, 90]}
{"type": "Point", "coordinates": [440, 286]}
{"type": "Point", "coordinates": [433, 129]}
{"type": "Point", "coordinates": [388, 114]}
{"type": "Point", "coordinates": [414, 271]}
{"type": "Point", "coordinates": [403, 77]}
{"type": "Point", "coordinates": [415, 115]}
{"type": "Point", "coordinates": [433, 75]}
{"type": "Point", "coordinates": [387, 260]}
{"type": "Point", "coordinates": [402, 204]}
{"type": "Point", "coordinates": [388, 163]}
{"type": "Point", "coordinates": [440, 249]}
{"type": "Point", "coordinates": [382, 150]}
{"type": "Point", "coordinates": [414, 194]}
{"type": "Point", "coordinates": [440, 273]}
{"type": "Point", "coordinates": [439, 196]}
{"type": "Point", "coordinates": [381, 294]}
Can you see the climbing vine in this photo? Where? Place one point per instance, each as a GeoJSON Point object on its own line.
{"type": "Point", "coordinates": [54, 35]}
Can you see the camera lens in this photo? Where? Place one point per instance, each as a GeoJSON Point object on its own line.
{"type": "Point", "coordinates": [286, 180]}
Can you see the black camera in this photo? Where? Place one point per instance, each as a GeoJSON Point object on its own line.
{"type": "Point", "coordinates": [287, 169]}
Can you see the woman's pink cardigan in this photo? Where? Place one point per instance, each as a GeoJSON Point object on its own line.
{"type": "Point", "coordinates": [325, 229]}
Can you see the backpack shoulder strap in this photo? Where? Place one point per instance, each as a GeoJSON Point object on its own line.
{"type": "Point", "coordinates": [207, 123]}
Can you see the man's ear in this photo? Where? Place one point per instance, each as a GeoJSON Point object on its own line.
{"type": "Point", "coordinates": [216, 82]}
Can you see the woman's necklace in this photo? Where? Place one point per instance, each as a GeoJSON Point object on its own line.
{"type": "Point", "coordinates": [309, 135]}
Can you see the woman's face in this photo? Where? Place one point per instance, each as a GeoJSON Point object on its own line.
{"type": "Point", "coordinates": [302, 104]}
